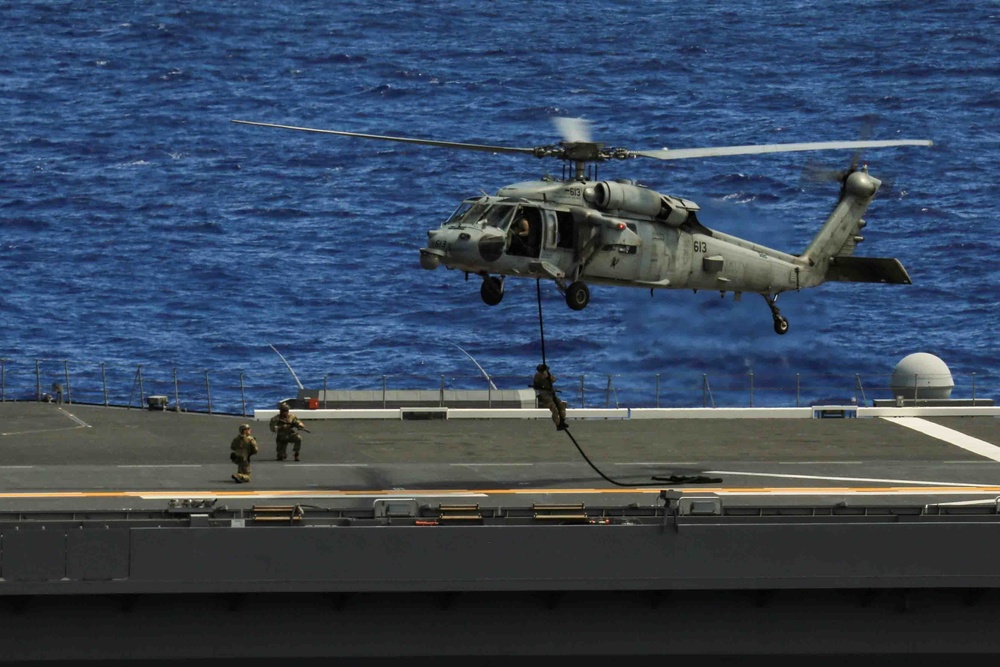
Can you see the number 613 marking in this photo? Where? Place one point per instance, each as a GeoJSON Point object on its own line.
{"type": "Point", "coordinates": [700, 246]}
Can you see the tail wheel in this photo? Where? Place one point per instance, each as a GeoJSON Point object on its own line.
{"type": "Point", "coordinates": [780, 323]}
{"type": "Point", "coordinates": [577, 296]}
{"type": "Point", "coordinates": [491, 290]}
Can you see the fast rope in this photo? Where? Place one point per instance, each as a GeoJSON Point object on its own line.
{"type": "Point", "coordinates": [672, 479]}
{"type": "Point", "coordinates": [541, 325]}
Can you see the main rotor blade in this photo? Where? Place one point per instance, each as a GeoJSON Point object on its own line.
{"type": "Point", "coordinates": [686, 153]}
{"type": "Point", "coordinates": [405, 140]}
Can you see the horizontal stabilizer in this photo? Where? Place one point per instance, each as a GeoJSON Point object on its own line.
{"type": "Point", "coordinates": [868, 270]}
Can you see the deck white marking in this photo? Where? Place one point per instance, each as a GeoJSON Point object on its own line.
{"type": "Point", "coordinates": [659, 463]}
{"type": "Point", "coordinates": [979, 501]}
{"type": "Point", "coordinates": [162, 465]}
{"type": "Point", "coordinates": [74, 418]}
{"type": "Point", "coordinates": [813, 463]}
{"type": "Point", "coordinates": [79, 424]}
{"type": "Point", "coordinates": [949, 435]}
{"type": "Point", "coordinates": [493, 465]}
{"type": "Point", "coordinates": [44, 430]}
{"type": "Point", "coordinates": [840, 479]}
{"type": "Point", "coordinates": [326, 465]}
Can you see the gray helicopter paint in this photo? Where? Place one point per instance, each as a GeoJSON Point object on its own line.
{"type": "Point", "coordinates": [688, 256]}
{"type": "Point", "coordinates": [614, 241]}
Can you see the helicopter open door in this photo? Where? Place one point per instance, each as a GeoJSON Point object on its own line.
{"type": "Point", "coordinates": [526, 243]}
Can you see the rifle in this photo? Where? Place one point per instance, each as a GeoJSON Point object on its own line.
{"type": "Point", "coordinates": [290, 424]}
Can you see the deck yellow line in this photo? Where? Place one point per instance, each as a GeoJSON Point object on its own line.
{"type": "Point", "coordinates": [805, 491]}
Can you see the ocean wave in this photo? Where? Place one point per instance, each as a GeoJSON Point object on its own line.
{"type": "Point", "coordinates": [140, 225]}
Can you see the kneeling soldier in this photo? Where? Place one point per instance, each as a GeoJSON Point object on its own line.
{"type": "Point", "coordinates": [243, 447]}
{"type": "Point", "coordinates": [286, 426]}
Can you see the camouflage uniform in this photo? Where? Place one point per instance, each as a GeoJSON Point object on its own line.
{"type": "Point", "coordinates": [544, 385]}
{"type": "Point", "coordinates": [285, 426]}
{"type": "Point", "coordinates": [243, 447]}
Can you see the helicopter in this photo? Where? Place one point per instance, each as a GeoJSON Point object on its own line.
{"type": "Point", "coordinates": [577, 229]}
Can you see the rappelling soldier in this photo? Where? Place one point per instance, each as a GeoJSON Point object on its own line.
{"type": "Point", "coordinates": [243, 447]}
{"type": "Point", "coordinates": [544, 386]}
{"type": "Point", "coordinates": [286, 427]}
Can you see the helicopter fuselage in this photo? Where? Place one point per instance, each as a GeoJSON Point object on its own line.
{"type": "Point", "coordinates": [613, 233]}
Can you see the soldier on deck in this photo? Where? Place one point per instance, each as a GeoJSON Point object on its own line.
{"type": "Point", "coordinates": [243, 447]}
{"type": "Point", "coordinates": [286, 426]}
{"type": "Point", "coordinates": [544, 385]}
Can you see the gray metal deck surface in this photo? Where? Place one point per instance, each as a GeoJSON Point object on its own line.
{"type": "Point", "coordinates": [73, 456]}
{"type": "Point", "coordinates": [825, 536]}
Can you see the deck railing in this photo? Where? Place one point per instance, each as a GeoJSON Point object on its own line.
{"type": "Point", "coordinates": [239, 393]}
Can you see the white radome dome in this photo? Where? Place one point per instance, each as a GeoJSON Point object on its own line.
{"type": "Point", "coordinates": [921, 375]}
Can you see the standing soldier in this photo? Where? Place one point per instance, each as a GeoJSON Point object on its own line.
{"type": "Point", "coordinates": [544, 385]}
{"type": "Point", "coordinates": [243, 447]}
{"type": "Point", "coordinates": [286, 426]}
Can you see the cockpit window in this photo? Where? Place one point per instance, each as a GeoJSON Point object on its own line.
{"type": "Point", "coordinates": [499, 216]}
{"type": "Point", "coordinates": [469, 212]}
{"type": "Point", "coordinates": [476, 211]}
{"type": "Point", "coordinates": [460, 211]}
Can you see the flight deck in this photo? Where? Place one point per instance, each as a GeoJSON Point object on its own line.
{"type": "Point", "coordinates": [862, 533]}
{"type": "Point", "coordinates": [73, 456]}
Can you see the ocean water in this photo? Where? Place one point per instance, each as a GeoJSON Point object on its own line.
{"type": "Point", "coordinates": [146, 242]}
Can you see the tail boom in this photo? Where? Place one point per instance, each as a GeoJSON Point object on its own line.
{"type": "Point", "coordinates": [839, 233]}
{"type": "Point", "coordinates": [830, 255]}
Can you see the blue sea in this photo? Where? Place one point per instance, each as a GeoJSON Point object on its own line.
{"type": "Point", "coordinates": [149, 244]}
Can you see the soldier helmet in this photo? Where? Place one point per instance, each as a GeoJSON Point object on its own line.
{"type": "Point", "coordinates": [244, 428]}
{"type": "Point", "coordinates": [283, 407]}
{"type": "Point", "coordinates": [542, 367]}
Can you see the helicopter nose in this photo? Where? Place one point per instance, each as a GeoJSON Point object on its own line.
{"type": "Point", "coordinates": [430, 258]}
{"type": "Point", "coordinates": [463, 247]}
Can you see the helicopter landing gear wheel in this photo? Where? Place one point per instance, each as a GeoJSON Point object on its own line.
{"type": "Point", "coordinates": [491, 290]}
{"type": "Point", "coordinates": [780, 323]}
{"type": "Point", "coordinates": [577, 295]}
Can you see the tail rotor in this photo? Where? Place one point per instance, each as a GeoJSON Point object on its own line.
{"type": "Point", "coordinates": [815, 173]}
